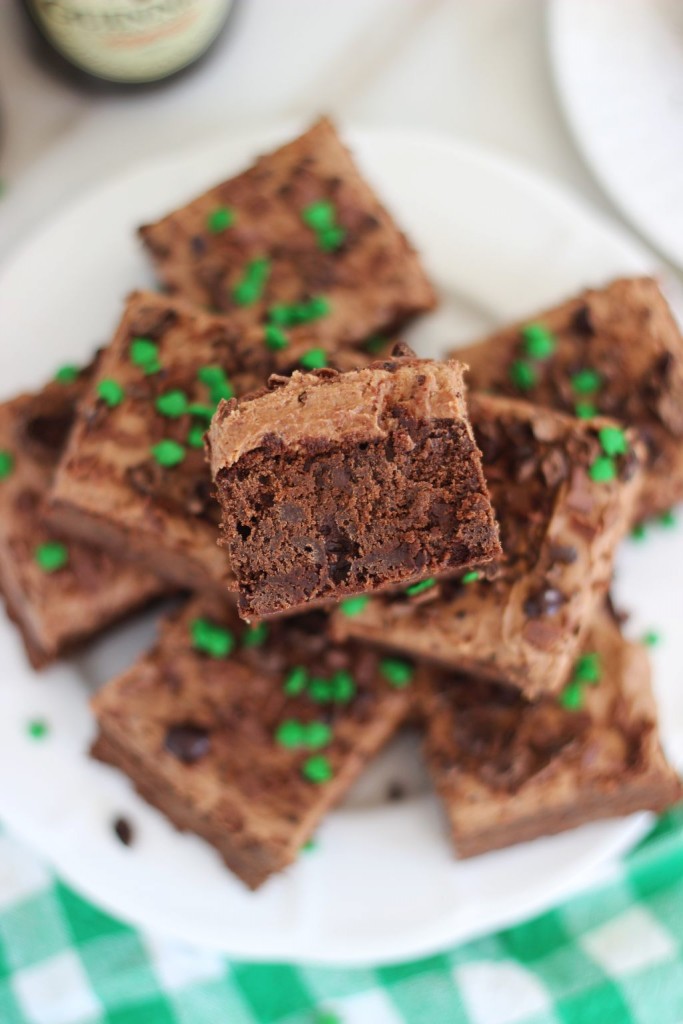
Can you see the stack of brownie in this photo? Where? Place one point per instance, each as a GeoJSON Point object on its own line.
{"type": "Point", "coordinates": [362, 542]}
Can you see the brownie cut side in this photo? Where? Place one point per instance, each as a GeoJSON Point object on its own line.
{"type": "Point", "coordinates": [508, 770]}
{"type": "Point", "coordinates": [248, 736]}
{"type": "Point", "coordinates": [58, 590]}
{"type": "Point", "coordinates": [340, 484]}
{"type": "Point", "coordinates": [300, 242]}
{"type": "Point", "coordinates": [615, 351]}
{"type": "Point", "coordinates": [563, 505]}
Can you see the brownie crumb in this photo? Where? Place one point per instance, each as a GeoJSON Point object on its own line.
{"type": "Point", "coordinates": [396, 791]}
{"type": "Point", "coordinates": [124, 831]}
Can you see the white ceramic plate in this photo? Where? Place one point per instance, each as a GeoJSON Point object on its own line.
{"type": "Point", "coordinates": [618, 65]}
{"type": "Point", "coordinates": [382, 883]}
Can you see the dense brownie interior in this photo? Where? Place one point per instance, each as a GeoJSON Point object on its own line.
{"type": "Point", "coordinates": [325, 522]}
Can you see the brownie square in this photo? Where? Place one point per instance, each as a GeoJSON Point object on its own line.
{"type": "Point", "coordinates": [562, 504]}
{"type": "Point", "coordinates": [298, 233]}
{"type": "Point", "coordinates": [134, 477]}
{"type": "Point", "coordinates": [247, 736]}
{"type": "Point", "coordinates": [58, 591]}
{"type": "Point", "coordinates": [334, 484]}
{"type": "Point", "coordinates": [508, 770]}
{"type": "Point", "coordinates": [616, 351]}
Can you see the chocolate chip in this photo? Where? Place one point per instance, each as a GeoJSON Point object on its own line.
{"type": "Point", "coordinates": [198, 245]}
{"type": "Point", "coordinates": [45, 434]}
{"type": "Point", "coordinates": [566, 554]}
{"type": "Point", "coordinates": [544, 602]}
{"type": "Point", "coordinates": [582, 321]}
{"type": "Point", "coordinates": [396, 791]}
{"type": "Point", "coordinates": [629, 465]}
{"type": "Point", "coordinates": [151, 322]}
{"type": "Point", "coordinates": [188, 742]}
{"type": "Point", "coordinates": [124, 831]}
{"type": "Point", "coordinates": [402, 350]}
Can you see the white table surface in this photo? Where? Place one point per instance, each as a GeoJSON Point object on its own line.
{"type": "Point", "coordinates": [474, 68]}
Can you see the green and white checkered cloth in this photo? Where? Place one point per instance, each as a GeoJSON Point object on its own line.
{"type": "Point", "coordinates": [610, 956]}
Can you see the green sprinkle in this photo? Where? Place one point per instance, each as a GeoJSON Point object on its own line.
{"type": "Point", "coordinates": [290, 734]}
{"type": "Point", "coordinates": [587, 669]}
{"type": "Point", "coordinates": [309, 845]}
{"type": "Point", "coordinates": [111, 392]}
{"type": "Point", "coordinates": [173, 404]}
{"type": "Point", "coordinates": [218, 384]}
{"type": "Point", "coordinates": [221, 391]}
{"type": "Point", "coordinates": [331, 238]}
{"type": "Point", "coordinates": [207, 637]}
{"type": "Point", "coordinates": [168, 453]}
{"type": "Point", "coordinates": [317, 735]}
{"type": "Point", "coordinates": [585, 382]}
{"type": "Point", "coordinates": [375, 345]}
{"type": "Point", "coordinates": [320, 214]}
{"type": "Point", "coordinates": [613, 441]}
{"type": "Point", "coordinates": [651, 638]}
{"type": "Point", "coordinates": [195, 436]}
{"type": "Point", "coordinates": [250, 288]}
{"type": "Point", "coordinates": [603, 469]}
{"type": "Point", "coordinates": [288, 315]}
{"type": "Point", "coordinates": [523, 375]}
{"type": "Point", "coordinates": [201, 409]}
{"type": "Point", "coordinates": [296, 681]}
{"type": "Point", "coordinates": [470, 577]}
{"type": "Point", "coordinates": [275, 338]}
{"type": "Point", "coordinates": [539, 342]}
{"type": "Point", "coordinates": [638, 532]}
{"type": "Point", "coordinates": [321, 690]}
{"type": "Point", "coordinates": [51, 556]}
{"type": "Point", "coordinates": [220, 219]}
{"type": "Point", "coordinates": [314, 359]}
{"type": "Point", "coordinates": [145, 353]}
{"type": "Point", "coordinates": [211, 375]}
{"type": "Point", "coordinates": [572, 697]}
{"type": "Point", "coordinates": [354, 605]}
{"type": "Point", "coordinates": [67, 374]}
{"type": "Point", "coordinates": [316, 307]}
{"type": "Point", "coordinates": [37, 728]}
{"type": "Point", "coordinates": [585, 410]}
{"type": "Point", "coordinates": [317, 769]}
{"type": "Point", "coordinates": [668, 518]}
{"type": "Point", "coordinates": [343, 687]}
{"type": "Point", "coordinates": [256, 636]}
{"type": "Point", "coordinates": [398, 673]}
{"type": "Point", "coordinates": [6, 464]}
{"type": "Point", "coordinates": [419, 588]}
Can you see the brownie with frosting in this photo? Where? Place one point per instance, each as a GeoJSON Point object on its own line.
{"type": "Point", "coordinates": [563, 492]}
{"type": "Point", "coordinates": [508, 770]}
{"type": "Point", "coordinates": [338, 484]}
{"type": "Point", "coordinates": [247, 736]}
{"type": "Point", "coordinates": [58, 590]}
{"type": "Point", "coordinates": [133, 478]}
{"type": "Point", "coordinates": [298, 244]}
{"type": "Point", "coordinates": [615, 351]}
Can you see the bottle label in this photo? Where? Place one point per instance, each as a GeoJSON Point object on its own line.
{"type": "Point", "coordinates": [131, 40]}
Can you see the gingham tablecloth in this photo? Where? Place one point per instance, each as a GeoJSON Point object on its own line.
{"type": "Point", "coordinates": [609, 956]}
